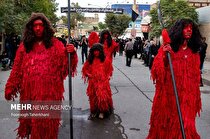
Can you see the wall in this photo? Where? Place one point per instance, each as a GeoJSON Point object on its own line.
{"type": "Point", "coordinates": [204, 25]}
{"type": "Point", "coordinates": [205, 31]}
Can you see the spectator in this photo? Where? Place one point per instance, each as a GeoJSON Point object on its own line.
{"type": "Point", "coordinates": [84, 45]}
{"type": "Point", "coordinates": [202, 56]}
{"type": "Point", "coordinates": [129, 52]}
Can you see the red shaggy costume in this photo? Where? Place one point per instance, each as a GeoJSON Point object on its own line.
{"type": "Point", "coordinates": [109, 45]}
{"type": "Point", "coordinates": [98, 71]}
{"type": "Point", "coordinates": [93, 38]}
{"type": "Point", "coordinates": [110, 50]}
{"type": "Point", "coordinates": [38, 76]}
{"type": "Point", "coordinates": [164, 121]}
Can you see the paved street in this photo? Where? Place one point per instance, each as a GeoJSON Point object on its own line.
{"type": "Point", "coordinates": [133, 93]}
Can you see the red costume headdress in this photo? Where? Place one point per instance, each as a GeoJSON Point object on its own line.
{"type": "Point", "coordinates": [93, 38]}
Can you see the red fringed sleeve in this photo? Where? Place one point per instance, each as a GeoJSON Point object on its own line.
{"type": "Point", "coordinates": [108, 51]}
{"type": "Point", "coordinates": [115, 45]}
{"type": "Point", "coordinates": [63, 57]}
{"type": "Point", "coordinates": [85, 71]}
{"type": "Point", "coordinates": [158, 71]}
{"type": "Point", "coordinates": [74, 61]}
{"type": "Point", "coordinates": [108, 68]}
{"type": "Point", "coordinates": [166, 39]}
{"type": "Point", "coordinates": [14, 81]}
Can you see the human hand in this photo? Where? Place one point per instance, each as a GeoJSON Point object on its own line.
{"type": "Point", "coordinates": [167, 48]}
{"type": "Point", "coordinates": [9, 96]}
{"type": "Point", "coordinates": [70, 48]}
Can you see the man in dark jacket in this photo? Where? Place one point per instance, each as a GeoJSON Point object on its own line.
{"type": "Point", "coordinates": [202, 56]}
{"type": "Point", "coordinates": [84, 45]}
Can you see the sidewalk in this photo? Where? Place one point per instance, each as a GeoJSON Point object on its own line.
{"type": "Point", "coordinates": [206, 73]}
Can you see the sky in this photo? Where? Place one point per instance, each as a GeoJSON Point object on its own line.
{"type": "Point", "coordinates": [97, 4]}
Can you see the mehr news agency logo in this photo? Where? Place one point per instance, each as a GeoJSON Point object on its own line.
{"type": "Point", "coordinates": [42, 110]}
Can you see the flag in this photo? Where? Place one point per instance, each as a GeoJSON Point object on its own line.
{"type": "Point", "coordinates": [135, 12]}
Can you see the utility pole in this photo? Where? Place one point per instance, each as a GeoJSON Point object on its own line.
{"type": "Point", "coordinates": [70, 77]}
{"type": "Point", "coordinates": [133, 30]}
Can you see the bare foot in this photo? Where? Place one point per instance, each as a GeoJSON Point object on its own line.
{"type": "Point", "coordinates": [101, 116]}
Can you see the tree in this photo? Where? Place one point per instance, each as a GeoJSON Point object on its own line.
{"type": "Point", "coordinates": [15, 13]}
{"type": "Point", "coordinates": [117, 23]}
{"type": "Point", "coordinates": [102, 26]}
{"type": "Point", "coordinates": [74, 18]}
{"type": "Point", "coordinates": [48, 7]}
{"type": "Point", "coordinates": [64, 19]}
{"type": "Point", "coordinates": [172, 10]}
{"type": "Point", "coordinates": [6, 16]}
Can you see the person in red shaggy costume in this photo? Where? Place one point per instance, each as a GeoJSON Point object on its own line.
{"type": "Point", "coordinates": [185, 41]}
{"type": "Point", "coordinates": [93, 38]}
{"type": "Point", "coordinates": [98, 70]}
{"type": "Point", "coordinates": [110, 46]}
{"type": "Point", "coordinates": [40, 67]}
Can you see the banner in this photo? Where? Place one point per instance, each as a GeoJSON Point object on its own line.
{"type": "Point", "coordinates": [93, 10]}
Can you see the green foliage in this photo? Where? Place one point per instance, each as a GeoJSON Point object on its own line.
{"type": "Point", "coordinates": [64, 18]}
{"type": "Point", "coordinates": [117, 24]}
{"type": "Point", "coordinates": [74, 17]}
{"type": "Point", "coordinates": [6, 15]}
{"type": "Point", "coordinates": [15, 13]}
{"type": "Point", "coordinates": [102, 26]}
{"type": "Point", "coordinates": [171, 11]}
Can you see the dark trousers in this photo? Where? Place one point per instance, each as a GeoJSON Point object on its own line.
{"type": "Point", "coordinates": [84, 53]}
{"type": "Point", "coordinates": [129, 55]}
{"type": "Point", "coordinates": [201, 80]}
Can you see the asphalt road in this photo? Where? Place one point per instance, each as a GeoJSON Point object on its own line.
{"type": "Point", "coordinates": [133, 93]}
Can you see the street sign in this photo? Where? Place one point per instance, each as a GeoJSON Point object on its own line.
{"type": "Point", "coordinates": [93, 10]}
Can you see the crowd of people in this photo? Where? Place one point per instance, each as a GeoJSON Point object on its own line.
{"type": "Point", "coordinates": [40, 53]}
{"type": "Point", "coordinates": [139, 48]}
{"type": "Point", "coordinates": [12, 42]}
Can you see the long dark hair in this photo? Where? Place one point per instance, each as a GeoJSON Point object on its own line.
{"type": "Point", "coordinates": [29, 37]}
{"type": "Point", "coordinates": [109, 38]}
{"type": "Point", "coordinates": [177, 38]}
{"type": "Point", "coordinates": [99, 47]}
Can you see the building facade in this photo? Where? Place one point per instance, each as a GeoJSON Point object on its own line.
{"type": "Point", "coordinates": [142, 8]}
{"type": "Point", "coordinates": [204, 26]}
{"type": "Point", "coordinates": [134, 29]}
{"type": "Point", "coordinates": [199, 3]}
